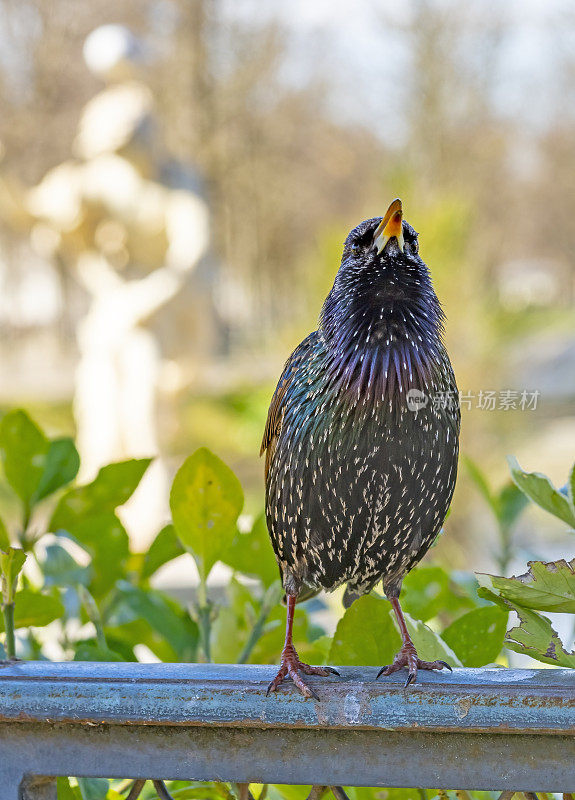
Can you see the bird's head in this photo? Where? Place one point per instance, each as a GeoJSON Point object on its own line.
{"type": "Point", "coordinates": [388, 234]}
{"type": "Point", "coordinates": [382, 297]}
{"type": "Point", "coordinates": [383, 252]}
{"type": "Point", "coordinates": [382, 280]}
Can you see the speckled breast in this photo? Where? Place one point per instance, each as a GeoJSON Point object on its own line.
{"type": "Point", "coordinates": [362, 496]}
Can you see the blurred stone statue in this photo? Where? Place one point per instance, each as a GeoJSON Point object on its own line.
{"type": "Point", "coordinates": [131, 226]}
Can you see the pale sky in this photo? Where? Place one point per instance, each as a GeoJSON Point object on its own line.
{"type": "Point", "coordinates": [345, 39]}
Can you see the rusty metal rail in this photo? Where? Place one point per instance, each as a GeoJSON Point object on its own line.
{"type": "Point", "coordinates": [491, 729]}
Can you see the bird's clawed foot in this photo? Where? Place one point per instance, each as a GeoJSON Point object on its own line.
{"type": "Point", "coordinates": [291, 666]}
{"type": "Point", "coordinates": [407, 657]}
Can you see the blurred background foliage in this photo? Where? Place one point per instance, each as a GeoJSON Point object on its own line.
{"type": "Point", "coordinates": [287, 125]}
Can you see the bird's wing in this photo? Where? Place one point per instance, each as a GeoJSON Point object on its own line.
{"type": "Point", "coordinates": [277, 405]}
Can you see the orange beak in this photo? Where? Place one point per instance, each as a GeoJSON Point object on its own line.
{"type": "Point", "coordinates": [390, 225]}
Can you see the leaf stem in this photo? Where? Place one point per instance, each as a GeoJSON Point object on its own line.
{"type": "Point", "coordinates": [26, 518]}
{"type": "Point", "coordinates": [10, 645]}
{"type": "Point", "coordinates": [506, 551]}
{"type": "Point", "coordinates": [205, 624]}
{"type": "Point", "coordinates": [271, 598]}
{"type": "Point", "coordinates": [204, 613]}
{"type": "Point", "coordinates": [94, 615]}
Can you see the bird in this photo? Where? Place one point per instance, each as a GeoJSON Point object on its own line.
{"type": "Point", "coordinates": [361, 440]}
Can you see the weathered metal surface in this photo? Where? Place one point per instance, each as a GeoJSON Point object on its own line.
{"type": "Point", "coordinates": [489, 729]}
{"type": "Point", "coordinates": [483, 700]}
{"type": "Point", "coordinates": [346, 757]}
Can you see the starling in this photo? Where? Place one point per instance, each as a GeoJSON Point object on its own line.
{"type": "Point", "coordinates": [362, 436]}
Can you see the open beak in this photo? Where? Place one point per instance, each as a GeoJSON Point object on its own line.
{"type": "Point", "coordinates": [390, 226]}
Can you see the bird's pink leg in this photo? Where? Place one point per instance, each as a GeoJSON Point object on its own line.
{"type": "Point", "coordinates": [290, 663]}
{"type": "Point", "coordinates": [407, 656]}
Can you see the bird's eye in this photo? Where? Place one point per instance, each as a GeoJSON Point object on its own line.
{"type": "Point", "coordinates": [414, 246]}
{"type": "Point", "coordinates": [356, 249]}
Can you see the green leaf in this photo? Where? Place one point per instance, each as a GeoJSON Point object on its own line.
{"type": "Point", "coordinates": [323, 645]}
{"type": "Point", "coordinates": [86, 513]}
{"type": "Point", "coordinates": [165, 547]}
{"type": "Point", "coordinates": [539, 488]}
{"type": "Point", "coordinates": [571, 487]}
{"type": "Point", "coordinates": [94, 652]}
{"type": "Point", "coordinates": [510, 503]}
{"type": "Point", "coordinates": [477, 637]}
{"type": "Point", "coordinates": [195, 790]}
{"type": "Point", "coordinates": [252, 554]}
{"type": "Point", "coordinates": [123, 638]}
{"type": "Point", "coordinates": [23, 449]}
{"type": "Point", "coordinates": [429, 644]}
{"type": "Point", "coordinates": [11, 563]}
{"type": "Point", "coordinates": [112, 487]}
{"type": "Point", "coordinates": [233, 624]}
{"type": "Point", "coordinates": [34, 466]}
{"type": "Point", "coordinates": [62, 463]}
{"type": "Point", "coordinates": [271, 643]}
{"type": "Point", "coordinates": [206, 500]}
{"type": "Point", "coordinates": [93, 788]}
{"type": "Point", "coordinates": [365, 635]}
{"type": "Point", "coordinates": [506, 505]}
{"type": "Point", "coordinates": [65, 791]}
{"type": "Point", "coordinates": [426, 592]}
{"type": "Point", "coordinates": [61, 569]}
{"type": "Point", "coordinates": [33, 609]}
{"type": "Point", "coordinates": [162, 613]}
{"type": "Point", "coordinates": [534, 636]}
{"type": "Point", "coordinates": [106, 540]}
{"type": "Point", "coordinates": [479, 479]}
{"type": "Point", "coordinates": [547, 586]}
{"type": "Point", "coordinates": [468, 585]}
{"type": "Point", "coordinates": [4, 538]}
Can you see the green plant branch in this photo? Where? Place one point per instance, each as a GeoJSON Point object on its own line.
{"type": "Point", "coordinates": [506, 548]}
{"type": "Point", "coordinates": [271, 598]}
{"type": "Point", "coordinates": [204, 612]}
{"type": "Point", "coordinates": [26, 519]}
{"type": "Point", "coordinates": [10, 644]}
{"type": "Point", "coordinates": [93, 615]}
{"type": "Point", "coordinates": [204, 615]}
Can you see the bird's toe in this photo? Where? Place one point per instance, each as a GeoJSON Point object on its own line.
{"type": "Point", "coordinates": [292, 667]}
{"type": "Point", "coordinates": [323, 671]}
{"type": "Point", "coordinates": [408, 658]}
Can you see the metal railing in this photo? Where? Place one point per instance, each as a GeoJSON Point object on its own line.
{"type": "Point", "coordinates": [491, 729]}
